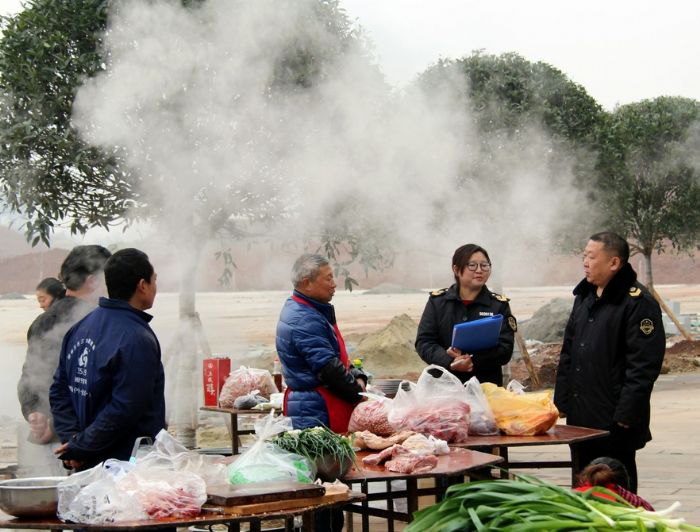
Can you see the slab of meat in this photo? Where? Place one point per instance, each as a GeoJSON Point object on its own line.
{"type": "Point", "coordinates": [378, 458]}
{"type": "Point", "coordinates": [371, 416]}
{"type": "Point", "coordinates": [367, 440]}
{"type": "Point", "coordinates": [411, 463]}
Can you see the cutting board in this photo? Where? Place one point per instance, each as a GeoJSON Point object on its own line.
{"type": "Point", "coordinates": [227, 495]}
{"type": "Point", "coordinates": [274, 506]}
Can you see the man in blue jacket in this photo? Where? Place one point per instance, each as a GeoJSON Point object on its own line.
{"type": "Point", "coordinates": [108, 388]}
{"type": "Point", "coordinates": [322, 386]}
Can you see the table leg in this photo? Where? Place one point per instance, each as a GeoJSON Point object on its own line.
{"type": "Point", "coordinates": [307, 522]}
{"type": "Point", "coordinates": [234, 433]}
{"type": "Point", "coordinates": [365, 506]}
{"type": "Point", "coordinates": [389, 507]}
{"type": "Point", "coordinates": [254, 525]}
{"type": "Point", "coordinates": [411, 497]}
{"type": "Point", "coordinates": [575, 462]}
{"type": "Point", "coordinates": [503, 453]}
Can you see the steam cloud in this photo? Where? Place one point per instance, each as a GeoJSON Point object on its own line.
{"type": "Point", "coordinates": [187, 96]}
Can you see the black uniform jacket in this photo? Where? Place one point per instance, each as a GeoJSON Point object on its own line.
{"type": "Point", "coordinates": [612, 354]}
{"type": "Point", "coordinates": [444, 310]}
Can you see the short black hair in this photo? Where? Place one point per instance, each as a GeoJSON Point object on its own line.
{"type": "Point", "coordinates": [52, 286]}
{"type": "Point", "coordinates": [462, 255]}
{"type": "Point", "coordinates": [81, 262]}
{"type": "Point", "coordinates": [124, 270]}
{"type": "Point", "coordinates": [613, 243]}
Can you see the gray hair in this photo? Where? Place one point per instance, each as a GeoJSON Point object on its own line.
{"type": "Point", "coordinates": [308, 265]}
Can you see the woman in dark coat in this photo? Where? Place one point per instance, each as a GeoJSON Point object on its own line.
{"type": "Point", "coordinates": [466, 300]}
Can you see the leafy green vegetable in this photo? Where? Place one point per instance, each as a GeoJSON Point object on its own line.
{"type": "Point", "coordinates": [316, 442]}
{"type": "Point", "coordinates": [528, 504]}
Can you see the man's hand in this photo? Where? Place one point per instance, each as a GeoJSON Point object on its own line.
{"type": "Point", "coordinates": [40, 428]}
{"type": "Point", "coordinates": [68, 464]}
{"type": "Point", "coordinates": [361, 383]}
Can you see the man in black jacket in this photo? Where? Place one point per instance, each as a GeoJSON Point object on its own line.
{"type": "Point", "coordinates": [612, 353]}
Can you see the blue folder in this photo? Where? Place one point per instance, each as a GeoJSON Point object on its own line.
{"type": "Point", "coordinates": [476, 335]}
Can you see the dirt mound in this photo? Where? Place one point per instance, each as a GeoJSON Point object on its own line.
{"type": "Point", "coordinates": [679, 358]}
{"type": "Point", "coordinates": [548, 322]}
{"type": "Point", "coordinates": [389, 352]}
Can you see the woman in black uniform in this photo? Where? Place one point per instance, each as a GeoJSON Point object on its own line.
{"type": "Point", "coordinates": [466, 300]}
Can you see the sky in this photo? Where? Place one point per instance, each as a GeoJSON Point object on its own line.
{"type": "Point", "coordinates": [621, 51]}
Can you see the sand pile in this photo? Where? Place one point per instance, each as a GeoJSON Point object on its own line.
{"type": "Point", "coordinates": [389, 353]}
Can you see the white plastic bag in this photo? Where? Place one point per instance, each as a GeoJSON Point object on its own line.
{"type": "Point", "coordinates": [169, 453]}
{"type": "Point", "coordinates": [482, 422]}
{"type": "Point", "coordinates": [265, 462]}
{"type": "Point", "coordinates": [117, 491]}
{"type": "Point", "coordinates": [92, 496]}
{"type": "Point", "coordinates": [434, 405]}
{"type": "Point", "coordinates": [372, 415]}
{"type": "Point", "coordinates": [243, 381]}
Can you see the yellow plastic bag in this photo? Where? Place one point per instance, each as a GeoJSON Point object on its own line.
{"type": "Point", "coordinates": [521, 414]}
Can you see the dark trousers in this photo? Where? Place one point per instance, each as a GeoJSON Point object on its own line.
{"type": "Point", "coordinates": [331, 520]}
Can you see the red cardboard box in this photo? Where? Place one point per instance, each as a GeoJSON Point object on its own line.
{"type": "Point", "coordinates": [215, 372]}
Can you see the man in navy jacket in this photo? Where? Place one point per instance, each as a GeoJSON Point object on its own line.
{"type": "Point", "coordinates": [108, 388]}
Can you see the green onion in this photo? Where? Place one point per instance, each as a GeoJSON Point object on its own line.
{"type": "Point", "coordinates": [528, 504]}
{"type": "Point", "coordinates": [315, 443]}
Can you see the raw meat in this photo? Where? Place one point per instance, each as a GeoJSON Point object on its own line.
{"type": "Point", "coordinates": [411, 463]}
{"type": "Point", "coordinates": [448, 422]}
{"type": "Point", "coordinates": [367, 440]}
{"type": "Point", "coordinates": [371, 416]}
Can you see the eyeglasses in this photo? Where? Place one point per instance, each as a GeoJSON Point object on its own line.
{"type": "Point", "coordinates": [485, 266]}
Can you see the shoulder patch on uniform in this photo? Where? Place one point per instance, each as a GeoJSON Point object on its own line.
{"type": "Point", "coordinates": [499, 297]}
{"type": "Point", "coordinates": [646, 326]}
{"type": "Point", "coordinates": [438, 292]}
{"type": "Point", "coordinates": [635, 292]}
{"type": "Point", "coordinates": [513, 324]}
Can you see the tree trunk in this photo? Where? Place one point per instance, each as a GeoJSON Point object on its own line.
{"type": "Point", "coordinates": [185, 354]}
{"type": "Point", "coordinates": [649, 276]}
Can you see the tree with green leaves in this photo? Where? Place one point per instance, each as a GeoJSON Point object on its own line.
{"type": "Point", "coordinates": [650, 177]}
{"type": "Point", "coordinates": [47, 173]}
{"type": "Point", "coordinates": [514, 104]}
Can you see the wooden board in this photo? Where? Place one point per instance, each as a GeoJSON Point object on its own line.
{"type": "Point", "coordinates": [274, 506]}
{"type": "Point", "coordinates": [227, 495]}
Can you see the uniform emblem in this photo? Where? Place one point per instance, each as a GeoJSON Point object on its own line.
{"type": "Point", "coordinates": [636, 292]}
{"type": "Point", "coordinates": [438, 292]}
{"type": "Point", "coordinates": [513, 324]}
{"type": "Point", "coordinates": [646, 326]}
{"type": "Point", "coordinates": [499, 297]}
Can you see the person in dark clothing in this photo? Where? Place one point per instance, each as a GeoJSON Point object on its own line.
{"type": "Point", "coordinates": [81, 273]}
{"type": "Point", "coordinates": [108, 388]}
{"type": "Point", "coordinates": [466, 300]}
{"type": "Point", "coordinates": [322, 386]}
{"type": "Point", "coordinates": [48, 291]}
{"type": "Point", "coordinates": [613, 348]}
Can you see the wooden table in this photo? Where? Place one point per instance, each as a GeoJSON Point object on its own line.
{"type": "Point", "coordinates": [235, 431]}
{"type": "Point", "coordinates": [450, 468]}
{"type": "Point", "coordinates": [204, 519]}
{"type": "Point", "coordinates": [557, 435]}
